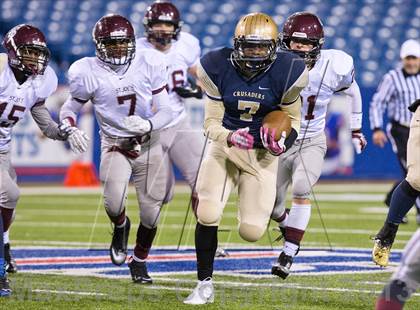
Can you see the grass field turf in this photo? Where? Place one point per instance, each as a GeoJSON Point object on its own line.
{"type": "Point", "coordinates": [350, 214]}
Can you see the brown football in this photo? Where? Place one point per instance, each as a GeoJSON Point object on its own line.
{"type": "Point", "coordinates": [278, 120]}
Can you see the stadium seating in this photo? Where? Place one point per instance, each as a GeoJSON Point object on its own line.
{"type": "Point", "coordinates": [371, 31]}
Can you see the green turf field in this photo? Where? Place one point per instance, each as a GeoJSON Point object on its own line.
{"type": "Point", "coordinates": [351, 214]}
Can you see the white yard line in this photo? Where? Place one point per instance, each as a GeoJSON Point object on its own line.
{"type": "Point", "coordinates": [334, 216]}
{"type": "Point", "coordinates": [69, 292]}
{"type": "Point", "coordinates": [315, 230]}
{"type": "Point", "coordinates": [359, 187]}
{"type": "Point", "coordinates": [275, 285]}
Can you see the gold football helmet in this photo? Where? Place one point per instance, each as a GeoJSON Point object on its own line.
{"type": "Point", "coordinates": [255, 42]}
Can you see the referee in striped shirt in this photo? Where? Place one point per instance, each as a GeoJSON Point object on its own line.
{"type": "Point", "coordinates": [399, 88]}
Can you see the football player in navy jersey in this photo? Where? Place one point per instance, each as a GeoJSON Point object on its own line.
{"type": "Point", "coordinates": [243, 85]}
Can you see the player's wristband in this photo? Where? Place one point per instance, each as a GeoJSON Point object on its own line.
{"type": "Point", "coordinates": [356, 121]}
{"type": "Point", "coordinates": [291, 138]}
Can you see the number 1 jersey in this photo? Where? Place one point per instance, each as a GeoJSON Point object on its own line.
{"type": "Point", "coordinates": [332, 73]}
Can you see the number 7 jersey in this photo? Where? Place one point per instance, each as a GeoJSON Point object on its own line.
{"type": "Point", "coordinates": [116, 95]}
{"type": "Point", "coordinates": [332, 73]}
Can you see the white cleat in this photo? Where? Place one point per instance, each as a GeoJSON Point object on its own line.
{"type": "Point", "coordinates": [202, 294]}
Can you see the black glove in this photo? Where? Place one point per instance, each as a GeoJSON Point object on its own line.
{"type": "Point", "coordinates": [189, 91]}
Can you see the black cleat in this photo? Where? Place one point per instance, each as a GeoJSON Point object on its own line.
{"type": "Point", "coordinates": [10, 263]}
{"type": "Point", "coordinates": [118, 248]}
{"type": "Point", "coordinates": [5, 289]}
{"type": "Point", "coordinates": [139, 273]}
{"type": "Point", "coordinates": [282, 267]}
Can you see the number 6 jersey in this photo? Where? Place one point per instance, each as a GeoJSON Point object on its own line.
{"type": "Point", "coordinates": [116, 94]}
{"type": "Point", "coordinates": [183, 54]}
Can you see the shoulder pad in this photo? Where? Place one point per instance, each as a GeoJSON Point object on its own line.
{"type": "Point", "coordinates": [46, 83]}
{"type": "Point", "coordinates": [342, 63]}
{"type": "Point", "coordinates": [150, 57]}
{"type": "Point", "coordinates": [142, 43]}
{"type": "Point", "coordinates": [3, 61]}
{"type": "Point", "coordinates": [216, 59]}
{"type": "Point", "coordinates": [81, 67]}
{"type": "Point", "coordinates": [188, 39]}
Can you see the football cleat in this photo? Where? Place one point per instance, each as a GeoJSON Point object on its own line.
{"type": "Point", "coordinates": [221, 252]}
{"type": "Point", "coordinates": [282, 267]}
{"type": "Point", "coordinates": [118, 248]}
{"type": "Point", "coordinates": [382, 244]}
{"type": "Point", "coordinates": [202, 294]}
{"type": "Point", "coordinates": [138, 272]}
{"type": "Point", "coordinates": [10, 263]}
{"type": "Point", "coordinates": [5, 289]}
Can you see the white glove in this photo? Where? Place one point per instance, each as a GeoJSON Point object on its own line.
{"type": "Point", "coordinates": [77, 138]}
{"type": "Point", "coordinates": [137, 124]}
{"type": "Point", "coordinates": [359, 141]}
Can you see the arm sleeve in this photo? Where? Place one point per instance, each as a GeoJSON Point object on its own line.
{"type": "Point", "coordinates": [163, 115]}
{"type": "Point", "coordinates": [356, 106]}
{"type": "Point", "coordinates": [209, 86]}
{"type": "Point", "coordinates": [214, 109]}
{"type": "Point", "coordinates": [294, 91]}
{"type": "Point", "coordinates": [293, 110]}
{"type": "Point", "coordinates": [291, 102]}
{"type": "Point", "coordinates": [43, 119]}
{"type": "Point", "coordinates": [380, 100]}
{"type": "Point", "coordinates": [213, 116]}
{"type": "Point", "coordinates": [70, 109]}
{"type": "Point", "coordinates": [195, 52]}
{"type": "Point", "coordinates": [81, 86]}
{"type": "Point", "coordinates": [159, 77]}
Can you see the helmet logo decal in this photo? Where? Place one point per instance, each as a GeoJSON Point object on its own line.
{"type": "Point", "coordinates": [299, 35]}
{"type": "Point", "coordinates": [119, 33]}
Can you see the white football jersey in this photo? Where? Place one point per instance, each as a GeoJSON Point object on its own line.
{"type": "Point", "coordinates": [118, 95]}
{"type": "Point", "coordinates": [184, 53]}
{"type": "Point", "coordinates": [16, 100]}
{"type": "Point", "coordinates": [332, 72]}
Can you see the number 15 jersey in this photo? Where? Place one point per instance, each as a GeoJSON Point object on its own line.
{"type": "Point", "coordinates": [116, 95]}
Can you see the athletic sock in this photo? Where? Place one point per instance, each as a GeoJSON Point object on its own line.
{"type": "Point", "coordinates": [144, 240]}
{"type": "Point", "coordinates": [6, 237]}
{"type": "Point", "coordinates": [123, 223]}
{"type": "Point", "coordinates": [7, 215]}
{"type": "Point", "coordinates": [119, 219]}
{"type": "Point", "coordinates": [417, 204]}
{"type": "Point", "coordinates": [393, 296]}
{"type": "Point", "coordinates": [205, 248]}
{"type": "Point", "coordinates": [402, 200]}
{"type": "Point", "coordinates": [297, 222]}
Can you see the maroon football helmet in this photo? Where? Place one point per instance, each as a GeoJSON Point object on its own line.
{"type": "Point", "coordinates": [27, 49]}
{"type": "Point", "coordinates": [162, 12]}
{"type": "Point", "coordinates": [114, 39]}
{"type": "Point", "coordinates": [304, 27]}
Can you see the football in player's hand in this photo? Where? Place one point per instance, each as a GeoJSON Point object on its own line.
{"type": "Point", "coordinates": [279, 121]}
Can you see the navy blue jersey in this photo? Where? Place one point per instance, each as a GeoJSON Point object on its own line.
{"type": "Point", "coordinates": [246, 101]}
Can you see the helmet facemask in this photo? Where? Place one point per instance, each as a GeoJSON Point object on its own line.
{"type": "Point", "coordinates": [162, 37]}
{"type": "Point", "coordinates": [116, 50]}
{"type": "Point", "coordinates": [253, 55]}
{"type": "Point", "coordinates": [310, 57]}
{"type": "Point", "coordinates": [31, 59]}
